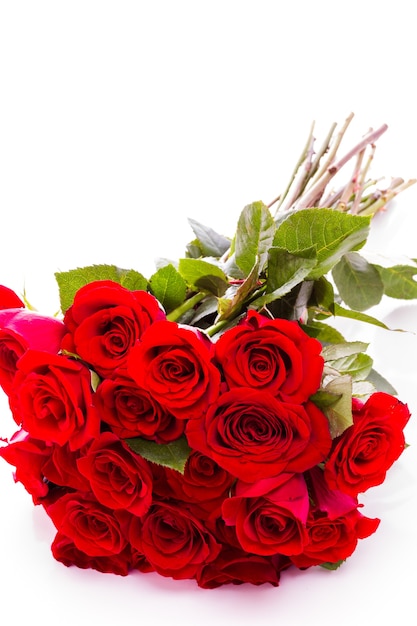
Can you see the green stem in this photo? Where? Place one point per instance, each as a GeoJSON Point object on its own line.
{"type": "Point", "coordinates": [185, 306]}
{"type": "Point", "coordinates": [215, 328]}
{"type": "Point", "coordinates": [323, 150]}
{"type": "Point", "coordinates": [314, 195]}
{"type": "Point", "coordinates": [375, 203]}
{"type": "Point", "coordinates": [299, 163]}
{"type": "Point", "coordinates": [331, 153]}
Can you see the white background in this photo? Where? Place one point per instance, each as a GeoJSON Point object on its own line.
{"type": "Point", "coordinates": [118, 120]}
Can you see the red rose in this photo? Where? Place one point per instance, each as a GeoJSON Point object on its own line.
{"type": "Point", "coordinates": [237, 567]}
{"type": "Point", "coordinates": [119, 478]}
{"type": "Point", "coordinates": [65, 551]}
{"type": "Point", "coordinates": [104, 322]}
{"type": "Point", "coordinates": [203, 485]}
{"type": "Point", "coordinates": [140, 562]}
{"type": "Point", "coordinates": [132, 412]}
{"type": "Point", "coordinates": [224, 533]}
{"type": "Point", "coordinates": [160, 486]}
{"type": "Point", "coordinates": [364, 452]}
{"type": "Point", "coordinates": [61, 468]}
{"type": "Point", "coordinates": [9, 299]}
{"type": "Point", "coordinates": [93, 528]}
{"type": "Point", "coordinates": [253, 435]}
{"type": "Point", "coordinates": [271, 355]}
{"type": "Point", "coordinates": [174, 363]}
{"type": "Point", "coordinates": [333, 540]}
{"type": "Point", "coordinates": [28, 456]}
{"type": "Point", "coordinates": [334, 525]}
{"type": "Point", "coordinates": [20, 330]}
{"type": "Point", "coordinates": [333, 502]}
{"type": "Point", "coordinates": [174, 542]}
{"type": "Point", "coordinates": [270, 515]}
{"type": "Point", "coordinates": [52, 398]}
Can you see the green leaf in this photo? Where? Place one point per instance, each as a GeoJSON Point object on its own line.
{"type": "Point", "coordinates": [332, 566]}
{"type": "Point", "coordinates": [349, 358]}
{"type": "Point", "coordinates": [323, 293]}
{"type": "Point", "coordinates": [399, 281]}
{"type": "Point", "coordinates": [231, 269]}
{"type": "Point", "coordinates": [161, 261]}
{"type": "Point", "coordinates": [71, 281]}
{"type": "Point", "coordinates": [332, 233]}
{"type": "Point", "coordinates": [254, 236]}
{"type": "Point", "coordinates": [286, 270]}
{"type": "Point", "coordinates": [380, 383]}
{"type": "Point", "coordinates": [228, 307]}
{"type": "Point", "coordinates": [324, 399]}
{"type": "Point", "coordinates": [339, 413]}
{"type": "Point", "coordinates": [173, 454]}
{"type": "Point", "coordinates": [358, 282]}
{"type": "Point", "coordinates": [193, 250]}
{"type": "Point", "coordinates": [132, 280]}
{"type": "Point", "coordinates": [343, 349]}
{"type": "Point", "coordinates": [169, 287]}
{"type": "Point", "coordinates": [211, 243]}
{"type": "Point", "coordinates": [203, 275]}
{"type": "Point", "coordinates": [207, 308]}
{"type": "Point", "coordinates": [357, 315]}
{"type": "Point", "coordinates": [212, 284]}
{"type": "Point", "coordinates": [95, 379]}
{"type": "Point", "coordinates": [358, 366]}
{"type": "Point", "coordinates": [323, 332]}
{"type": "Point", "coordinates": [362, 389]}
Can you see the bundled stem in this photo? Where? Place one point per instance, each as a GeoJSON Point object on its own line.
{"type": "Point", "coordinates": [308, 188]}
{"type": "Point", "coordinates": [308, 185]}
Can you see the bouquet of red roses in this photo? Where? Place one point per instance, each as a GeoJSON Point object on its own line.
{"type": "Point", "coordinates": [209, 423]}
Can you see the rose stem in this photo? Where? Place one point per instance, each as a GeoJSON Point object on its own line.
{"type": "Point", "coordinates": [360, 182]}
{"type": "Point", "coordinates": [352, 187]}
{"type": "Point", "coordinates": [185, 306]}
{"type": "Point", "coordinates": [320, 154]}
{"type": "Point", "coordinates": [333, 150]}
{"type": "Point", "coordinates": [300, 161]}
{"type": "Point", "coordinates": [378, 200]}
{"type": "Point", "coordinates": [315, 193]}
{"type": "Point", "coordinates": [215, 328]}
{"type": "Point", "coordinates": [299, 181]}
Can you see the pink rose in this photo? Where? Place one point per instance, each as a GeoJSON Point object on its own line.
{"type": "Point", "coordinates": [334, 525]}
{"type": "Point", "coordinates": [20, 330]}
{"type": "Point", "coordinates": [270, 515]}
{"type": "Point", "coordinates": [9, 299]}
